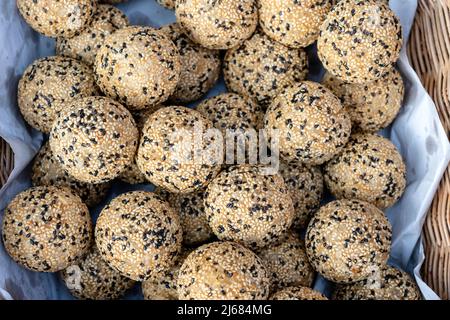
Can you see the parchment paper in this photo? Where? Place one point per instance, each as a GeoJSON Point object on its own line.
{"type": "Point", "coordinates": [417, 132]}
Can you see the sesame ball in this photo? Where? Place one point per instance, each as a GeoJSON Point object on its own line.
{"type": "Point", "coordinates": [191, 210]}
{"type": "Point", "coordinates": [94, 139]}
{"type": "Point", "coordinates": [223, 271]}
{"type": "Point", "coordinates": [298, 293]}
{"type": "Point", "coordinates": [92, 278]}
{"type": "Point", "coordinates": [370, 168]}
{"type": "Point", "coordinates": [166, 158]}
{"type": "Point", "coordinates": [47, 84]}
{"type": "Point", "coordinates": [137, 66]}
{"type": "Point", "coordinates": [131, 174]}
{"type": "Point", "coordinates": [372, 106]}
{"type": "Point", "coordinates": [287, 263]}
{"type": "Point", "coordinates": [85, 44]}
{"type": "Point", "coordinates": [47, 171]}
{"type": "Point", "coordinates": [305, 185]}
{"type": "Point", "coordinates": [57, 18]}
{"type": "Point", "coordinates": [260, 68]}
{"type": "Point", "coordinates": [360, 40]}
{"type": "Point", "coordinates": [46, 229]}
{"type": "Point", "coordinates": [348, 240]}
{"type": "Point", "coordinates": [200, 67]}
{"type": "Point", "coordinates": [388, 284]}
{"type": "Point", "coordinates": [247, 206]}
{"type": "Point", "coordinates": [311, 122]}
{"type": "Point", "coordinates": [169, 4]}
{"type": "Point", "coordinates": [222, 24]}
{"type": "Point", "coordinates": [139, 235]}
{"type": "Point", "coordinates": [164, 286]}
{"type": "Point", "coordinates": [293, 23]}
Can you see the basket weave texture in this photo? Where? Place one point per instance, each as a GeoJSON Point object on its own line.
{"type": "Point", "coordinates": [429, 53]}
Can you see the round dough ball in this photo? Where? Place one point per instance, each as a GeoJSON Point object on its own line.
{"type": "Point", "coordinates": [137, 66]}
{"type": "Point", "coordinates": [85, 44]}
{"type": "Point", "coordinates": [92, 278]}
{"type": "Point", "coordinates": [47, 171]}
{"type": "Point", "coordinates": [388, 284]}
{"type": "Point", "coordinates": [165, 157]}
{"type": "Point", "coordinates": [191, 209]}
{"type": "Point", "coordinates": [131, 174]}
{"type": "Point", "coordinates": [46, 229]}
{"type": "Point", "coordinates": [57, 18]}
{"type": "Point", "coordinates": [311, 124]}
{"type": "Point", "coordinates": [94, 139]}
{"type": "Point", "coordinates": [222, 24]}
{"type": "Point", "coordinates": [164, 287]}
{"type": "Point", "coordinates": [298, 293]}
{"type": "Point", "coordinates": [287, 264]}
{"type": "Point", "coordinates": [360, 40]}
{"type": "Point", "coordinates": [293, 23]}
{"type": "Point", "coordinates": [372, 106]}
{"type": "Point", "coordinates": [200, 67]}
{"type": "Point", "coordinates": [348, 240]}
{"type": "Point", "coordinates": [139, 235]}
{"type": "Point", "coordinates": [305, 185]}
{"type": "Point", "coordinates": [260, 68]}
{"type": "Point", "coordinates": [48, 84]}
{"type": "Point", "coordinates": [169, 4]}
{"type": "Point", "coordinates": [245, 205]}
{"type": "Point", "coordinates": [223, 271]}
{"type": "Point", "coordinates": [370, 168]}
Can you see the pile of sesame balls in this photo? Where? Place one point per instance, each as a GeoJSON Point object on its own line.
{"type": "Point", "coordinates": [114, 94]}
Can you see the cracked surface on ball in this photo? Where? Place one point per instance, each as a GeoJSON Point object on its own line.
{"type": "Point", "coordinates": [47, 229]}
{"type": "Point", "coordinates": [348, 240]}
{"type": "Point", "coordinates": [223, 271]}
{"type": "Point", "coordinates": [94, 139]}
{"type": "Point", "coordinates": [139, 235]}
{"type": "Point", "coordinates": [369, 168]}
{"type": "Point", "coordinates": [360, 40]}
{"type": "Point", "coordinates": [50, 83]}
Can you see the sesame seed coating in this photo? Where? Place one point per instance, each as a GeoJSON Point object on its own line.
{"type": "Point", "coordinates": [164, 286]}
{"type": "Point", "coordinates": [139, 235]}
{"type": "Point", "coordinates": [370, 168]}
{"type": "Point", "coordinates": [305, 185]}
{"type": "Point", "coordinates": [223, 271]}
{"type": "Point", "coordinates": [60, 18]}
{"type": "Point", "coordinates": [244, 205]}
{"type": "Point", "coordinates": [348, 240]}
{"type": "Point", "coordinates": [47, 171]}
{"type": "Point", "coordinates": [260, 68]}
{"type": "Point", "coordinates": [85, 43]}
{"type": "Point", "coordinates": [95, 278]}
{"type": "Point", "coordinates": [389, 284]}
{"type": "Point", "coordinates": [131, 174]}
{"type": "Point", "coordinates": [287, 264]}
{"type": "Point", "coordinates": [46, 229]}
{"type": "Point", "coordinates": [47, 84]}
{"type": "Point", "coordinates": [200, 67]}
{"type": "Point", "coordinates": [217, 24]}
{"type": "Point", "coordinates": [159, 160]}
{"type": "Point", "coordinates": [111, 1]}
{"type": "Point", "coordinates": [191, 209]}
{"type": "Point", "coordinates": [169, 4]}
{"type": "Point", "coordinates": [312, 124]}
{"type": "Point", "coordinates": [298, 293]}
{"type": "Point", "coordinates": [94, 139]}
{"type": "Point", "coordinates": [360, 40]}
{"type": "Point", "coordinates": [372, 106]}
{"type": "Point", "coordinates": [293, 23]}
{"type": "Point", "coordinates": [137, 66]}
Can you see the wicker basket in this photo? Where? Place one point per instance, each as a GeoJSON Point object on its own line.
{"type": "Point", "coordinates": [429, 53]}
